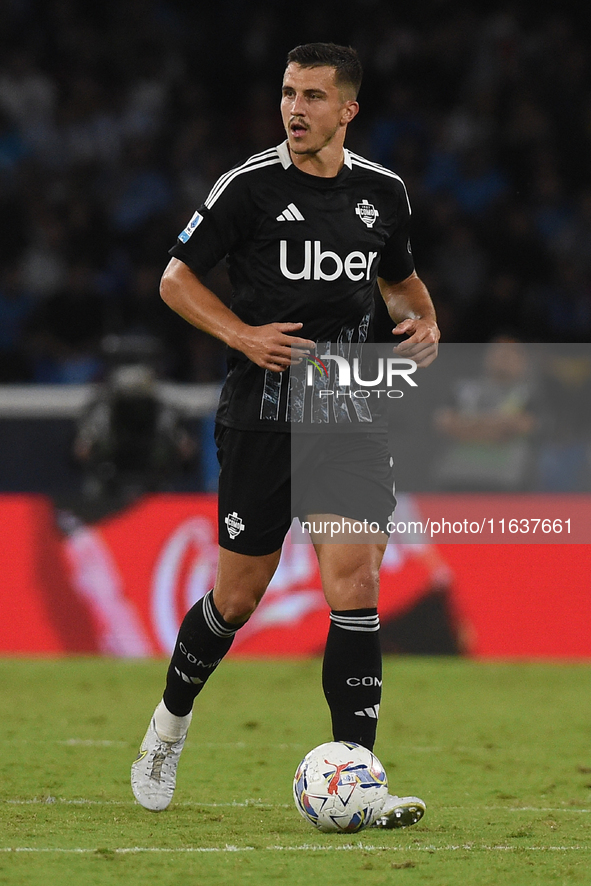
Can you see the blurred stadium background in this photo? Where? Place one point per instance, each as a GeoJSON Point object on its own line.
{"type": "Point", "coordinates": [115, 120]}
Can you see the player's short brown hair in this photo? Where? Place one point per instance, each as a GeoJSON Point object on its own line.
{"type": "Point", "coordinates": [344, 59]}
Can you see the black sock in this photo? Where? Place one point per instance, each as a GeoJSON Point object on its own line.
{"type": "Point", "coordinates": [203, 640]}
{"type": "Point", "coordinates": [352, 675]}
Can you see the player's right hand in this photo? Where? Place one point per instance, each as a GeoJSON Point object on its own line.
{"type": "Point", "coordinates": [274, 346]}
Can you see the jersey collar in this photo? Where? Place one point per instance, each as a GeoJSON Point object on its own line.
{"type": "Point", "coordinates": [286, 160]}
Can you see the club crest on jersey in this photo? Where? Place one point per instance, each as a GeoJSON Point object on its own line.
{"type": "Point", "coordinates": [367, 213]}
{"type": "Point", "coordinates": [234, 524]}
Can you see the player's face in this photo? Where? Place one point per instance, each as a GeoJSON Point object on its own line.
{"type": "Point", "coordinates": [313, 108]}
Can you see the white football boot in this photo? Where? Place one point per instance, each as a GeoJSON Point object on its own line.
{"type": "Point", "coordinates": [153, 772]}
{"type": "Point", "coordinates": [400, 812]}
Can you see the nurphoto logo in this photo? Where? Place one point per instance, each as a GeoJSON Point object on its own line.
{"type": "Point", "coordinates": [347, 377]}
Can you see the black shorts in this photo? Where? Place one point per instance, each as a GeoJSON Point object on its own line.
{"type": "Point", "coordinates": [268, 478]}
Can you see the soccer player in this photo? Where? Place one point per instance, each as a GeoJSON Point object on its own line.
{"type": "Point", "coordinates": [309, 228]}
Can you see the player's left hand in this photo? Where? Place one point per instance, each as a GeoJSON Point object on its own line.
{"type": "Point", "coordinates": [422, 343]}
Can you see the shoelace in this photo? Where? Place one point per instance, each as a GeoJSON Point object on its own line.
{"type": "Point", "coordinates": [158, 760]}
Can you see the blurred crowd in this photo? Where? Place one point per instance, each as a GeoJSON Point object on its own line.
{"type": "Point", "coordinates": [515, 418]}
{"type": "Point", "coordinates": [116, 119]}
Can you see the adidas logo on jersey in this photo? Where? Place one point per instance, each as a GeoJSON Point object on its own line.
{"type": "Point", "coordinates": [291, 213]}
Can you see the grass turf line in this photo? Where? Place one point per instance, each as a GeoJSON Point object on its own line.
{"type": "Point", "coordinates": [501, 753]}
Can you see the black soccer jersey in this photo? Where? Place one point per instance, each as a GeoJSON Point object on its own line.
{"type": "Point", "coordinates": [300, 248]}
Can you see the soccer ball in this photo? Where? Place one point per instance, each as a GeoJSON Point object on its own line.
{"type": "Point", "coordinates": [340, 786]}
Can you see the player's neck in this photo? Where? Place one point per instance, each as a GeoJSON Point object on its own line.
{"type": "Point", "coordinates": [326, 163]}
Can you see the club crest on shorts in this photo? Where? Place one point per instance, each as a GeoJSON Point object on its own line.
{"type": "Point", "coordinates": [234, 524]}
{"type": "Point", "coordinates": [367, 213]}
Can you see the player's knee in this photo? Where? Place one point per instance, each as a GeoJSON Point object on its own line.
{"type": "Point", "coordinates": [355, 587]}
{"type": "Point", "coordinates": [363, 574]}
{"type": "Point", "coordinates": [237, 609]}
{"type": "Point", "coordinates": [366, 580]}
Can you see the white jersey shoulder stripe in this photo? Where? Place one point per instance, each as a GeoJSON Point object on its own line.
{"type": "Point", "coordinates": [375, 167]}
{"type": "Point", "coordinates": [223, 178]}
{"type": "Point", "coordinates": [254, 159]}
{"type": "Point", "coordinates": [253, 162]}
{"type": "Point", "coordinates": [213, 198]}
{"type": "Point", "coordinates": [371, 164]}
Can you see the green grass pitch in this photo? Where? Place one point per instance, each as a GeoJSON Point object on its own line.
{"type": "Point", "coordinates": [500, 752]}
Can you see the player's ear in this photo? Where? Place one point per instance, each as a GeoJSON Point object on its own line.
{"type": "Point", "coordinates": [350, 110]}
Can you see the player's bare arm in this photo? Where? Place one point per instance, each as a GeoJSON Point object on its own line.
{"type": "Point", "coordinates": [272, 346]}
{"type": "Point", "coordinates": [410, 307]}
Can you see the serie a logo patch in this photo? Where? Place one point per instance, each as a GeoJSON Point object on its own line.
{"type": "Point", "coordinates": [193, 224]}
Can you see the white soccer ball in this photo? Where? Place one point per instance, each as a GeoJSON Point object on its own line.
{"type": "Point", "coordinates": [340, 786]}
